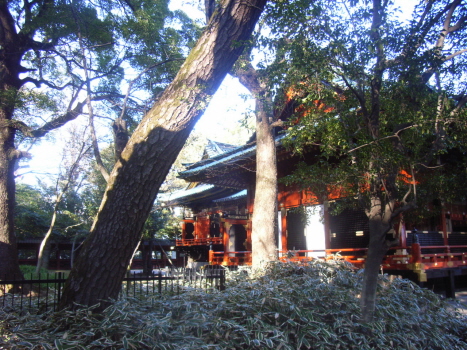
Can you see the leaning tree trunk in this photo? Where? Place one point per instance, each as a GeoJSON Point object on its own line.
{"type": "Point", "coordinates": [150, 152]}
{"type": "Point", "coordinates": [46, 246]}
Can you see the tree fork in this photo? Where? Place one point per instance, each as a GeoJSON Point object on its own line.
{"type": "Point", "coordinates": [153, 147]}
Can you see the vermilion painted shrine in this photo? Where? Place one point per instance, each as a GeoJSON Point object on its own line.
{"type": "Point", "coordinates": [216, 225]}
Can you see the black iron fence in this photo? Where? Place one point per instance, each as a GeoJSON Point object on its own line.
{"type": "Point", "coordinates": [41, 294]}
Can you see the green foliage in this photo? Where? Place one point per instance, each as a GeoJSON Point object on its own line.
{"type": "Point", "coordinates": [288, 307]}
{"type": "Point", "coordinates": [162, 223]}
{"type": "Point", "coordinates": [191, 151]}
{"type": "Point", "coordinates": [376, 96]}
{"type": "Point", "coordinates": [34, 209]}
{"type": "Point", "coordinates": [29, 272]}
{"type": "Point", "coordinates": [33, 213]}
{"type": "Point", "coordinates": [114, 40]}
{"type": "Point", "coordinates": [95, 185]}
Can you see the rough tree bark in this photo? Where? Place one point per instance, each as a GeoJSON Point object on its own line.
{"type": "Point", "coordinates": [150, 152]}
{"type": "Point", "coordinates": [9, 267]}
{"type": "Point", "coordinates": [12, 48]}
{"type": "Point", "coordinates": [379, 224]}
{"type": "Point", "coordinates": [264, 215]}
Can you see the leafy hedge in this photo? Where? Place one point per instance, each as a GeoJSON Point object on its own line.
{"type": "Point", "coordinates": [288, 307]}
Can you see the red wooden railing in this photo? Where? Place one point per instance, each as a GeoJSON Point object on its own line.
{"type": "Point", "coordinates": [198, 241]}
{"type": "Point", "coordinates": [415, 254]}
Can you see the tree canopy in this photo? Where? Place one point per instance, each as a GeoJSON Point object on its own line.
{"type": "Point", "coordinates": [379, 99]}
{"type": "Point", "coordinates": [62, 59]}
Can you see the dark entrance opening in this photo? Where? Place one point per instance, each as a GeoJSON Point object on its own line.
{"type": "Point", "coordinates": [296, 239]}
{"type": "Point", "coordinates": [189, 229]}
{"type": "Point", "coordinates": [239, 232]}
{"type": "Point", "coordinates": [215, 227]}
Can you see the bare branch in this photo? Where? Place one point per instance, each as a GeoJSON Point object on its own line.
{"type": "Point", "coordinates": [395, 135]}
{"type": "Point", "coordinates": [406, 195]}
{"type": "Point", "coordinates": [277, 123]}
{"type": "Point", "coordinates": [95, 144]}
{"type": "Point", "coordinates": [457, 53]}
{"type": "Point", "coordinates": [39, 82]}
{"type": "Point", "coordinates": [59, 121]}
{"type": "Point", "coordinates": [460, 105]}
{"type": "Point", "coordinates": [132, 82]}
{"type": "Point", "coordinates": [414, 183]}
{"type": "Point", "coordinates": [404, 208]}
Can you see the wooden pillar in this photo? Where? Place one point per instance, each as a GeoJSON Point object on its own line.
{"type": "Point", "coordinates": [284, 229]}
{"type": "Point", "coordinates": [183, 232]}
{"type": "Point", "coordinates": [327, 225]}
{"type": "Point", "coordinates": [416, 253]}
{"type": "Point", "coordinates": [450, 284]}
{"type": "Point", "coordinates": [225, 232]}
{"type": "Point", "coordinates": [402, 233]}
{"type": "Point", "coordinates": [445, 230]}
{"type": "Point", "coordinates": [248, 235]}
{"type": "Point", "coordinates": [210, 255]}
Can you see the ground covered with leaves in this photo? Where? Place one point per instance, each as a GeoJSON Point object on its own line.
{"type": "Point", "coordinates": [289, 307]}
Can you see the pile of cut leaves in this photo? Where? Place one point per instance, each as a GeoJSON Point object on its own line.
{"type": "Point", "coordinates": [289, 306]}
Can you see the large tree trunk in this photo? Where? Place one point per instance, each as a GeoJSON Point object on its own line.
{"type": "Point", "coordinates": [376, 251]}
{"type": "Point", "coordinates": [11, 50]}
{"type": "Point", "coordinates": [9, 267]}
{"type": "Point", "coordinates": [263, 234]}
{"type": "Point", "coordinates": [379, 223]}
{"type": "Point", "coordinates": [264, 215]}
{"type": "Point", "coordinates": [150, 152]}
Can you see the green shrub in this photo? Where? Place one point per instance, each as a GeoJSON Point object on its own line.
{"type": "Point", "coordinates": [288, 306]}
{"type": "Point", "coordinates": [29, 272]}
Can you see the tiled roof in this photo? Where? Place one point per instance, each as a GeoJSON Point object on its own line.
{"type": "Point", "coordinates": [200, 193]}
{"type": "Point", "coordinates": [223, 163]}
{"type": "Point", "coordinates": [214, 148]}
{"type": "Point", "coordinates": [168, 197]}
{"type": "Point", "coordinates": [235, 196]}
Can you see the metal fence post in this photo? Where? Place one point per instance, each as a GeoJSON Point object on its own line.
{"type": "Point", "coordinates": [160, 282]}
{"type": "Point", "coordinates": [59, 286]}
{"type": "Point", "coordinates": [222, 280]}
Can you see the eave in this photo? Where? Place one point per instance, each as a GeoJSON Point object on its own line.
{"type": "Point", "coordinates": [202, 194]}
{"type": "Point", "coordinates": [231, 169]}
